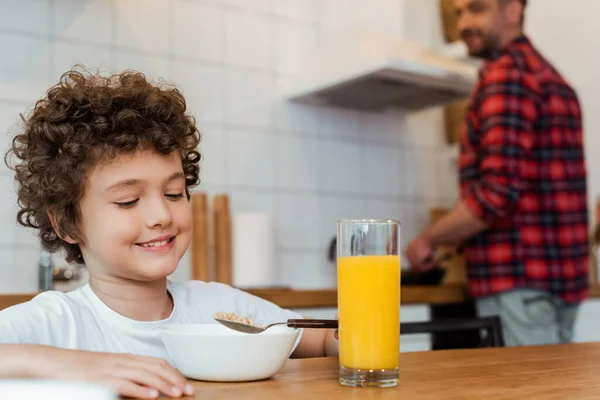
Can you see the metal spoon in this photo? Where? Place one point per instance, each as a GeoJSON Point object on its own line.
{"type": "Point", "coordinates": [291, 323]}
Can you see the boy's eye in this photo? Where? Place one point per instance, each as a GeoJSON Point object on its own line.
{"type": "Point", "coordinates": [127, 204]}
{"type": "Point", "coordinates": [175, 196]}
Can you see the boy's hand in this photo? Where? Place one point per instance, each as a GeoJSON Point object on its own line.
{"type": "Point", "coordinates": [129, 375]}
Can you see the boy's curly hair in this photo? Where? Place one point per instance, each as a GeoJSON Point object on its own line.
{"type": "Point", "coordinates": [86, 119]}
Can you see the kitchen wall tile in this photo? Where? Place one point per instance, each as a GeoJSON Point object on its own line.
{"type": "Point", "coordinates": [8, 201]}
{"type": "Point", "coordinates": [214, 151]}
{"type": "Point", "coordinates": [383, 170]}
{"type": "Point", "coordinates": [335, 208]}
{"type": "Point", "coordinates": [425, 129]}
{"type": "Point", "coordinates": [300, 10]}
{"type": "Point", "coordinates": [260, 6]}
{"type": "Point", "coordinates": [341, 166]}
{"type": "Point", "coordinates": [418, 218]}
{"type": "Point", "coordinates": [66, 56]}
{"type": "Point", "coordinates": [421, 22]}
{"type": "Point", "coordinates": [249, 99]}
{"type": "Point", "coordinates": [414, 177]}
{"type": "Point", "coordinates": [24, 235]}
{"type": "Point", "coordinates": [382, 127]}
{"type": "Point", "coordinates": [253, 200]}
{"type": "Point", "coordinates": [297, 164]}
{"type": "Point", "coordinates": [202, 86]}
{"type": "Point", "coordinates": [235, 61]}
{"type": "Point", "coordinates": [298, 222]}
{"type": "Point", "coordinates": [29, 16]}
{"type": "Point", "coordinates": [251, 159]}
{"type": "Point", "coordinates": [10, 124]}
{"type": "Point", "coordinates": [293, 42]}
{"type": "Point", "coordinates": [338, 122]}
{"type": "Point", "coordinates": [154, 67]}
{"type": "Point", "coordinates": [382, 15]}
{"type": "Point", "coordinates": [89, 21]}
{"type": "Point", "coordinates": [389, 208]}
{"type": "Point", "coordinates": [304, 271]}
{"type": "Point", "coordinates": [23, 273]}
{"type": "Point", "coordinates": [407, 227]}
{"type": "Point", "coordinates": [18, 269]}
{"type": "Point", "coordinates": [143, 24]}
{"type": "Point", "coordinates": [412, 224]}
{"type": "Point", "coordinates": [7, 261]}
{"type": "Point", "coordinates": [198, 31]}
{"type": "Point", "coordinates": [426, 167]}
{"type": "Point", "coordinates": [247, 40]}
{"type": "Point", "coordinates": [294, 117]}
{"type": "Point", "coordinates": [447, 169]}
{"type": "Point", "coordinates": [25, 68]}
{"type": "Point", "coordinates": [335, 16]}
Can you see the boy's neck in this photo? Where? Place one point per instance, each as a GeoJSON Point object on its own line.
{"type": "Point", "coordinates": [140, 301]}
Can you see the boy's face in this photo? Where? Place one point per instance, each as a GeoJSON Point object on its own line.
{"type": "Point", "coordinates": [136, 220]}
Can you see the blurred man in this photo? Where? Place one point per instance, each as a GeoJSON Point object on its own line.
{"type": "Point", "coordinates": [522, 215]}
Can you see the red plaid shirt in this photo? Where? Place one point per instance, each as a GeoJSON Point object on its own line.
{"type": "Point", "coordinates": [522, 171]}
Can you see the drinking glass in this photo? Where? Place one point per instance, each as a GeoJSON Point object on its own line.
{"type": "Point", "coordinates": [368, 265]}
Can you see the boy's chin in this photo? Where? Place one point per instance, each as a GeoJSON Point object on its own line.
{"type": "Point", "coordinates": [153, 273]}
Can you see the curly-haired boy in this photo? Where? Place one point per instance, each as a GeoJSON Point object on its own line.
{"type": "Point", "coordinates": [103, 167]}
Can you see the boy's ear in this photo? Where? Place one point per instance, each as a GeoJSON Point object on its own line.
{"type": "Point", "coordinates": [66, 238]}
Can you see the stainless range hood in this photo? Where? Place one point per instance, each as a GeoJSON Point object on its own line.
{"type": "Point", "coordinates": [373, 71]}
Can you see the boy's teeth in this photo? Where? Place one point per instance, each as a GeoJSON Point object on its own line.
{"type": "Point", "coordinates": [152, 244]}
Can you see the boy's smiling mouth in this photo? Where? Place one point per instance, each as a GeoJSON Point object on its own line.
{"type": "Point", "coordinates": [158, 243]}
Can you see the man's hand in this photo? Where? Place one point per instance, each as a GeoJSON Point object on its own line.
{"type": "Point", "coordinates": [129, 375]}
{"type": "Point", "coordinates": [420, 253]}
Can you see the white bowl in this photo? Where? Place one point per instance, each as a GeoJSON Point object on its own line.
{"type": "Point", "coordinates": [53, 390]}
{"type": "Point", "coordinates": [212, 352]}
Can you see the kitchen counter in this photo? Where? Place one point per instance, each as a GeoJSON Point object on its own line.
{"type": "Point", "coordinates": [323, 298]}
{"type": "Point", "coordinates": [291, 298]}
{"type": "Point", "coordinates": [536, 373]}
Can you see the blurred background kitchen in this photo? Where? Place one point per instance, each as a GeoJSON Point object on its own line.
{"type": "Point", "coordinates": [301, 166]}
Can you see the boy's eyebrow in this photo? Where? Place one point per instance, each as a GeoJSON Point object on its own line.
{"type": "Point", "coordinates": [133, 182]}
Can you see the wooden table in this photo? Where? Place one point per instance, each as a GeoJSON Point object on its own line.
{"type": "Point", "coordinates": [533, 373]}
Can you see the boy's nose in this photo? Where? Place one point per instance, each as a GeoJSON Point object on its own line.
{"type": "Point", "coordinates": [158, 215]}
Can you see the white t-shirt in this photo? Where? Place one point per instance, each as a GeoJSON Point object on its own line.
{"type": "Point", "coordinates": [80, 320]}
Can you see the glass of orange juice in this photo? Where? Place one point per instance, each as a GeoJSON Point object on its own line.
{"type": "Point", "coordinates": [368, 265]}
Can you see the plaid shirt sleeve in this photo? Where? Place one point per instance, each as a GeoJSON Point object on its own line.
{"type": "Point", "coordinates": [507, 106]}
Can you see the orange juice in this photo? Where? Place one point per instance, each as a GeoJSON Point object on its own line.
{"type": "Point", "coordinates": [369, 311]}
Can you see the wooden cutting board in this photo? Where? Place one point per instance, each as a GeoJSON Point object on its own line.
{"type": "Point", "coordinates": [222, 231]}
{"type": "Point", "coordinates": [449, 20]}
{"type": "Point", "coordinates": [200, 248]}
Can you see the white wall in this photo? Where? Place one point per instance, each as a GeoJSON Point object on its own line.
{"type": "Point", "coordinates": [233, 59]}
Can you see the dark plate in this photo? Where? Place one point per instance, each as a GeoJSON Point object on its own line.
{"type": "Point", "coordinates": [431, 277]}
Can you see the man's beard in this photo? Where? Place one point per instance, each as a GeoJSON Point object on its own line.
{"type": "Point", "coordinates": [491, 44]}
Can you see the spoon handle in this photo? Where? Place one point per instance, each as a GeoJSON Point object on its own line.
{"type": "Point", "coordinates": [313, 323]}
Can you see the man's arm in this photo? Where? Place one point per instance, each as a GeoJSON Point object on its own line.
{"type": "Point", "coordinates": [455, 227]}
{"type": "Point", "coordinates": [508, 103]}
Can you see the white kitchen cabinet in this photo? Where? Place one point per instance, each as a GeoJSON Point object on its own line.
{"type": "Point", "coordinates": [587, 327]}
{"type": "Point", "coordinates": [412, 313]}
